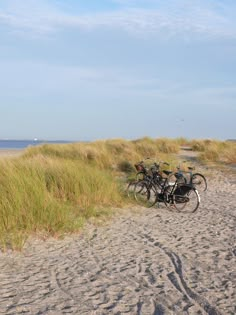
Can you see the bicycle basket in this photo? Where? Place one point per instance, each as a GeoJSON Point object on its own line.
{"type": "Point", "coordinates": [139, 167]}
{"type": "Point", "coordinates": [182, 190]}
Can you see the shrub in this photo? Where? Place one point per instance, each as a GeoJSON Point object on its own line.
{"type": "Point", "coordinates": [198, 145]}
{"type": "Point", "coordinates": [126, 167]}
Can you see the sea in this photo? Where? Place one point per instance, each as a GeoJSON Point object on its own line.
{"type": "Point", "coordinates": [23, 144]}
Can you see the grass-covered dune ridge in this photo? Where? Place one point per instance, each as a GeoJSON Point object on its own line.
{"type": "Point", "coordinates": [53, 189]}
{"type": "Point", "coordinates": [106, 153]}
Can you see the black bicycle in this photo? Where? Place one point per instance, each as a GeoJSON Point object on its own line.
{"type": "Point", "coordinates": [142, 172]}
{"type": "Point", "coordinates": [146, 190]}
{"type": "Point", "coordinates": [180, 196]}
{"type": "Point", "coordinates": [149, 178]}
{"type": "Point", "coordinates": [197, 180]}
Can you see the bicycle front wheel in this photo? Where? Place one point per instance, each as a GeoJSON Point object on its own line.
{"type": "Point", "coordinates": [141, 192]}
{"type": "Point", "coordinates": [140, 176]}
{"type": "Point", "coordinates": [186, 202]}
{"type": "Point", "coordinates": [199, 182]}
{"type": "Point", "coordinates": [152, 197]}
{"type": "Point", "coordinates": [145, 193]}
{"type": "Point", "coordinates": [130, 189]}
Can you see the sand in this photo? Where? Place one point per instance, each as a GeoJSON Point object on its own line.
{"type": "Point", "coordinates": [143, 261]}
{"type": "Point", "coordinates": [6, 153]}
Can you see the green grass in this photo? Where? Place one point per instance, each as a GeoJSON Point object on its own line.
{"type": "Point", "coordinates": [42, 194]}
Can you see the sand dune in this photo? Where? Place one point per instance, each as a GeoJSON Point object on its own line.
{"type": "Point", "coordinates": [146, 261]}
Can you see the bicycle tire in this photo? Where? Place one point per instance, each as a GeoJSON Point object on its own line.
{"type": "Point", "coordinates": [186, 202]}
{"type": "Point", "coordinates": [152, 198]}
{"type": "Point", "coordinates": [145, 193]}
{"type": "Point", "coordinates": [199, 182]}
{"type": "Point", "coordinates": [157, 185]}
{"type": "Point", "coordinates": [140, 176]}
{"type": "Point", "coordinates": [130, 189]}
{"type": "Point", "coordinates": [141, 192]}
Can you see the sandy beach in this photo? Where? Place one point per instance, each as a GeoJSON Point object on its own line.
{"type": "Point", "coordinates": [143, 261]}
{"type": "Point", "coordinates": [6, 153]}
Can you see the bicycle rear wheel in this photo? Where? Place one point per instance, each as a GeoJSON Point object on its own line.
{"type": "Point", "coordinates": [186, 199]}
{"type": "Point", "coordinates": [199, 182]}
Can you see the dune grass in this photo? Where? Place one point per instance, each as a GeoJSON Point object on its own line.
{"type": "Point", "coordinates": [55, 189]}
{"type": "Point", "coordinates": [106, 154]}
{"type": "Point", "coordinates": [51, 196]}
{"type": "Point", "coordinates": [215, 150]}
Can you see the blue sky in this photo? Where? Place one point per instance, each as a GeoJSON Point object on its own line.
{"type": "Point", "coordinates": [87, 70]}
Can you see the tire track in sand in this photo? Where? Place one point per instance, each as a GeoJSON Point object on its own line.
{"type": "Point", "coordinates": [178, 274]}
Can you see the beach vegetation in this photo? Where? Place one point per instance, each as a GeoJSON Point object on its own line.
{"type": "Point", "coordinates": [215, 150]}
{"type": "Point", "coordinates": [51, 196]}
{"type": "Point", "coordinates": [53, 189]}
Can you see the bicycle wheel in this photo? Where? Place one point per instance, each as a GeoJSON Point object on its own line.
{"type": "Point", "coordinates": [140, 176]}
{"type": "Point", "coordinates": [141, 192]}
{"type": "Point", "coordinates": [199, 182]}
{"type": "Point", "coordinates": [186, 198]}
{"type": "Point", "coordinates": [145, 193]}
{"type": "Point", "coordinates": [152, 198]}
{"type": "Point", "coordinates": [130, 189]}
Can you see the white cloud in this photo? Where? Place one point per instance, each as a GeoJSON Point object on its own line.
{"type": "Point", "coordinates": [169, 18]}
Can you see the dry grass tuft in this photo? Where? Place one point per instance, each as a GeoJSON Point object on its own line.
{"type": "Point", "coordinates": [215, 151]}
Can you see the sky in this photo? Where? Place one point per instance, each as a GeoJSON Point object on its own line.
{"type": "Point", "coordinates": [88, 70]}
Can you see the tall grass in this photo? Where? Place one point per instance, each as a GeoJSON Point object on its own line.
{"type": "Point", "coordinates": [51, 195]}
{"type": "Point", "coordinates": [215, 150]}
{"type": "Point", "coordinates": [54, 189]}
{"type": "Point", "coordinates": [105, 154]}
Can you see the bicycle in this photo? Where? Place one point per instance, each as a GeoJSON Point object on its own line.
{"type": "Point", "coordinates": [142, 172]}
{"type": "Point", "coordinates": [197, 180]}
{"type": "Point", "coordinates": [150, 176]}
{"type": "Point", "coordinates": [145, 190]}
{"type": "Point", "coordinates": [183, 197]}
